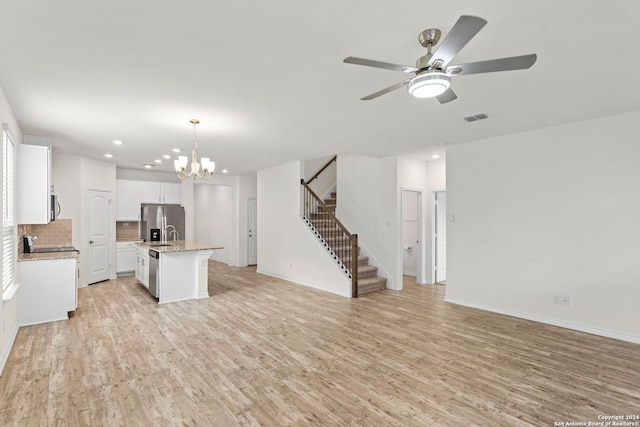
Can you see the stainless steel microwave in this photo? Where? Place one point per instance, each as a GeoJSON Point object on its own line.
{"type": "Point", "coordinates": [55, 207]}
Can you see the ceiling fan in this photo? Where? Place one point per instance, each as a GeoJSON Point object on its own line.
{"type": "Point", "coordinates": [433, 72]}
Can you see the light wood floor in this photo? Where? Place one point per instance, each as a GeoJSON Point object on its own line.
{"type": "Point", "coordinates": [261, 351]}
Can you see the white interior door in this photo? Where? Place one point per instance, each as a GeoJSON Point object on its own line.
{"type": "Point", "coordinates": [441, 236]}
{"type": "Point", "coordinates": [98, 232]}
{"type": "Point", "coordinates": [252, 229]}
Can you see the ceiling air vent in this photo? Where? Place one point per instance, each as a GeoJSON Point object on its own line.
{"type": "Point", "coordinates": [475, 117]}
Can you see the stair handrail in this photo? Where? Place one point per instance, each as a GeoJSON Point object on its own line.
{"type": "Point", "coordinates": [322, 169]}
{"type": "Point", "coordinates": [353, 238]}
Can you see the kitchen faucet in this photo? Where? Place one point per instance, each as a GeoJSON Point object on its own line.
{"type": "Point", "coordinates": [176, 237]}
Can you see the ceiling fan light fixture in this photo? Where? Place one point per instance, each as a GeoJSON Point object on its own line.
{"type": "Point", "coordinates": [429, 85]}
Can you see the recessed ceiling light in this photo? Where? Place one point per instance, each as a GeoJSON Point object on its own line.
{"type": "Point", "coordinates": [435, 156]}
{"type": "Point", "coordinates": [158, 161]}
{"type": "Point", "coordinates": [166, 156]}
{"type": "Point", "coordinates": [148, 166]}
{"type": "Point", "coordinates": [118, 142]}
{"type": "Point", "coordinates": [224, 171]}
{"type": "Point", "coordinates": [108, 155]}
{"type": "Point", "coordinates": [175, 150]}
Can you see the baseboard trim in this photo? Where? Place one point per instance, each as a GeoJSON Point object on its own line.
{"type": "Point", "coordinates": [303, 283]}
{"type": "Point", "coordinates": [549, 321]}
{"type": "Point", "coordinates": [7, 349]}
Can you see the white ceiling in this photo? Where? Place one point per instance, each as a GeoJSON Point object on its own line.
{"type": "Point", "coordinates": [268, 83]}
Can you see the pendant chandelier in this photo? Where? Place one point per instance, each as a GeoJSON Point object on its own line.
{"type": "Point", "coordinates": [207, 165]}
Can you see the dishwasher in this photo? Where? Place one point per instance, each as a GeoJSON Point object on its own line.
{"type": "Point", "coordinates": [154, 272]}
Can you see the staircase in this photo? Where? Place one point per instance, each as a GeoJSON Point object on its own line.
{"type": "Point", "coordinates": [337, 243]}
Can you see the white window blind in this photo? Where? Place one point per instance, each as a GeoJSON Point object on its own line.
{"type": "Point", "coordinates": [8, 227]}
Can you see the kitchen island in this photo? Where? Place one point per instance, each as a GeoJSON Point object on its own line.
{"type": "Point", "coordinates": [180, 271]}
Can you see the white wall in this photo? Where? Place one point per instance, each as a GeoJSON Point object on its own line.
{"type": "Point", "coordinates": [67, 184]}
{"type": "Point", "coordinates": [552, 212]}
{"type": "Point", "coordinates": [324, 183]}
{"type": "Point", "coordinates": [286, 247]}
{"type": "Point", "coordinates": [224, 196]}
{"type": "Point", "coordinates": [369, 206]}
{"type": "Point", "coordinates": [213, 224]}
{"type": "Point", "coordinates": [8, 309]}
{"type": "Point", "coordinates": [73, 177]}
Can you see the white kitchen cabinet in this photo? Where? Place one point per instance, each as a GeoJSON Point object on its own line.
{"type": "Point", "coordinates": [142, 266]}
{"type": "Point", "coordinates": [126, 258]}
{"type": "Point", "coordinates": [33, 176]}
{"type": "Point", "coordinates": [130, 194]}
{"type": "Point", "coordinates": [170, 193]}
{"type": "Point", "coordinates": [48, 290]}
{"type": "Point", "coordinates": [151, 192]}
{"type": "Point", "coordinates": [160, 192]}
{"type": "Point", "coordinates": [128, 199]}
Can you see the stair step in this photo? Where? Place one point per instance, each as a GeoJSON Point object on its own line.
{"type": "Point", "coordinates": [331, 201]}
{"type": "Point", "coordinates": [371, 284]}
{"type": "Point", "coordinates": [363, 260]}
{"type": "Point", "coordinates": [367, 271]}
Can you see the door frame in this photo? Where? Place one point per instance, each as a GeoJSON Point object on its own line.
{"type": "Point", "coordinates": [420, 246]}
{"type": "Point", "coordinates": [249, 200]}
{"type": "Point", "coordinates": [433, 233]}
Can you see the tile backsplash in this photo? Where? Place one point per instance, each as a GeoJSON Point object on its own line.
{"type": "Point", "coordinates": [56, 233]}
{"type": "Point", "coordinates": [127, 231]}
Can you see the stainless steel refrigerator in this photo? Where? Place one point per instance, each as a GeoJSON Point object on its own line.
{"type": "Point", "coordinates": [155, 219]}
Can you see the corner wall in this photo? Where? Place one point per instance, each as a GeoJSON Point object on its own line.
{"type": "Point", "coordinates": [286, 247]}
{"type": "Point", "coordinates": [551, 212]}
{"type": "Point", "coordinates": [369, 205]}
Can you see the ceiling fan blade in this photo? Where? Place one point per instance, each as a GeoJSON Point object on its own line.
{"type": "Point", "coordinates": [503, 64]}
{"type": "Point", "coordinates": [448, 96]}
{"type": "Point", "coordinates": [379, 64]}
{"type": "Point", "coordinates": [385, 90]}
{"type": "Point", "coordinates": [463, 30]}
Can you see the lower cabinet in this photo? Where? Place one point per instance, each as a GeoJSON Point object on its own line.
{"type": "Point", "coordinates": [48, 290]}
{"type": "Point", "coordinates": [126, 258]}
{"type": "Point", "coordinates": [142, 266]}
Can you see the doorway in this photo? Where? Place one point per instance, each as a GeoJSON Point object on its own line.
{"type": "Point", "coordinates": [440, 237]}
{"type": "Point", "coordinates": [412, 263]}
{"type": "Point", "coordinates": [98, 232]}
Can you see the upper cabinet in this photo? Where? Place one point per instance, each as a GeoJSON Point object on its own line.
{"type": "Point", "coordinates": [130, 194]}
{"type": "Point", "coordinates": [33, 175]}
{"type": "Point", "coordinates": [128, 199]}
{"type": "Point", "coordinates": [160, 192]}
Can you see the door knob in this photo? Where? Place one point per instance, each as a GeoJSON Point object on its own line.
{"type": "Point", "coordinates": [90, 241]}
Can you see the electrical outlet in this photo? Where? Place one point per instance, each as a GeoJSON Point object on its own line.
{"type": "Point", "coordinates": [561, 300]}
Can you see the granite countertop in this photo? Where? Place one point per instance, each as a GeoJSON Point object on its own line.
{"type": "Point", "coordinates": [44, 256]}
{"type": "Point", "coordinates": [181, 246]}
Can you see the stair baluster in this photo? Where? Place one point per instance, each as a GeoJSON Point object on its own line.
{"type": "Point", "coordinates": [335, 238]}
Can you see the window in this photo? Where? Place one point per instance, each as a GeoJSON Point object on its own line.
{"type": "Point", "coordinates": [8, 227]}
